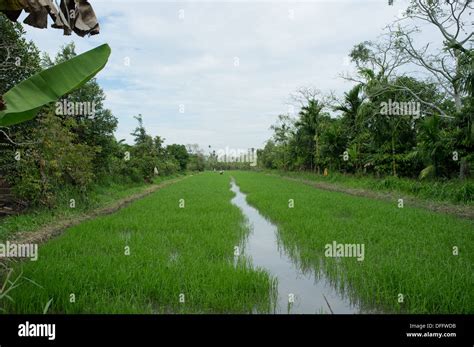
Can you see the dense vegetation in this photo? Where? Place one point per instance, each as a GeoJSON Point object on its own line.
{"type": "Point", "coordinates": [173, 250]}
{"type": "Point", "coordinates": [390, 123]}
{"type": "Point", "coordinates": [55, 155]}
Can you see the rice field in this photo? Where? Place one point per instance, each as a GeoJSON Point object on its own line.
{"type": "Point", "coordinates": [410, 263]}
{"type": "Point", "coordinates": [174, 252]}
{"type": "Point", "coordinates": [171, 252]}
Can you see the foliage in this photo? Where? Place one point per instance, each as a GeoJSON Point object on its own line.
{"type": "Point", "coordinates": [52, 163]}
{"type": "Point", "coordinates": [58, 153]}
{"type": "Point", "coordinates": [433, 140]}
{"type": "Point", "coordinates": [180, 153]}
{"type": "Point", "coordinates": [25, 99]}
{"type": "Point", "coordinates": [95, 130]}
{"type": "Point", "coordinates": [19, 59]}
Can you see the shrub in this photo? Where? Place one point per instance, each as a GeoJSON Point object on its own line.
{"type": "Point", "coordinates": [52, 162]}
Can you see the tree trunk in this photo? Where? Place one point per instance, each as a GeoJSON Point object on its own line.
{"type": "Point", "coordinates": [394, 168]}
{"type": "Point", "coordinates": [457, 96]}
{"type": "Point", "coordinates": [464, 169]}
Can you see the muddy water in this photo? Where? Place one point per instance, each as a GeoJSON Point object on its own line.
{"type": "Point", "coordinates": [309, 293]}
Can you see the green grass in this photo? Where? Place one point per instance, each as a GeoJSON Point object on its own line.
{"type": "Point", "coordinates": [172, 251]}
{"type": "Point", "coordinates": [97, 196]}
{"type": "Point", "coordinates": [454, 191]}
{"type": "Point", "coordinates": [407, 251]}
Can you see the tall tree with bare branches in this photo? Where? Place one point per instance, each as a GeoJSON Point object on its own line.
{"type": "Point", "coordinates": [446, 62]}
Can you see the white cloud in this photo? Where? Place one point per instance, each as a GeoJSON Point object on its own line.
{"type": "Point", "coordinates": [280, 46]}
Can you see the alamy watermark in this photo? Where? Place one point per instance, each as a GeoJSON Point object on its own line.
{"type": "Point", "coordinates": [75, 108]}
{"type": "Point", "coordinates": [400, 108]}
{"type": "Point", "coordinates": [237, 155]}
{"type": "Point", "coordinates": [28, 329]}
{"type": "Point", "coordinates": [346, 250]}
{"type": "Point", "coordinates": [14, 250]}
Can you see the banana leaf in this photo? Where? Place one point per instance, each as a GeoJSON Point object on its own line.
{"type": "Point", "coordinates": [25, 99]}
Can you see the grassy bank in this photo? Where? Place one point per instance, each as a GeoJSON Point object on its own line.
{"type": "Point", "coordinates": [172, 251]}
{"type": "Point", "coordinates": [408, 251]}
{"type": "Point", "coordinates": [452, 191]}
{"type": "Point", "coordinates": [97, 196]}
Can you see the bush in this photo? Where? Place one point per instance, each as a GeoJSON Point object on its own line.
{"type": "Point", "coordinates": [52, 162]}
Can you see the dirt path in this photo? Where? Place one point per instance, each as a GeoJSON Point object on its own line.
{"type": "Point", "coordinates": [461, 211]}
{"type": "Point", "coordinates": [56, 228]}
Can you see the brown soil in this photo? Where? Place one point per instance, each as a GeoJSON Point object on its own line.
{"type": "Point", "coordinates": [462, 211]}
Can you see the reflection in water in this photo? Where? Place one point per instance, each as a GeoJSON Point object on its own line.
{"type": "Point", "coordinates": [309, 293]}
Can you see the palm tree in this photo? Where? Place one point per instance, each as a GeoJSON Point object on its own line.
{"type": "Point", "coordinates": [350, 108]}
{"type": "Point", "coordinates": [430, 146]}
{"type": "Point", "coordinates": [308, 129]}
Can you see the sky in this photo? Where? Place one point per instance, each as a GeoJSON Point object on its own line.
{"type": "Point", "coordinates": [218, 73]}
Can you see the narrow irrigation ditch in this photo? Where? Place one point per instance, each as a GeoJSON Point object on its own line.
{"type": "Point", "coordinates": [299, 291]}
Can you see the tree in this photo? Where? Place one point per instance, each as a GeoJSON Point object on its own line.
{"type": "Point", "coordinates": [445, 63]}
{"type": "Point", "coordinates": [308, 134]}
{"type": "Point", "coordinates": [180, 153]}
{"type": "Point", "coordinates": [196, 160]}
{"type": "Point", "coordinates": [418, 140]}
{"type": "Point", "coordinates": [19, 58]}
{"type": "Point", "coordinates": [95, 129]}
{"type": "Point", "coordinates": [433, 147]}
{"type": "Point", "coordinates": [144, 155]}
{"type": "Point", "coordinates": [53, 163]}
{"type": "Point", "coordinates": [283, 134]}
{"type": "Point", "coordinates": [267, 156]}
{"type": "Point", "coordinates": [45, 155]}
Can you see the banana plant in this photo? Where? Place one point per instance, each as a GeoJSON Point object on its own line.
{"type": "Point", "coordinates": [24, 101]}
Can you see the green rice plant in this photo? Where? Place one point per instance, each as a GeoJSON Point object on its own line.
{"type": "Point", "coordinates": [424, 256]}
{"type": "Point", "coordinates": [171, 252]}
{"type": "Point", "coordinates": [455, 191]}
{"type": "Point", "coordinates": [99, 195]}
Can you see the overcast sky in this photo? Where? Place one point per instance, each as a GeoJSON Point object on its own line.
{"type": "Point", "coordinates": [230, 65]}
